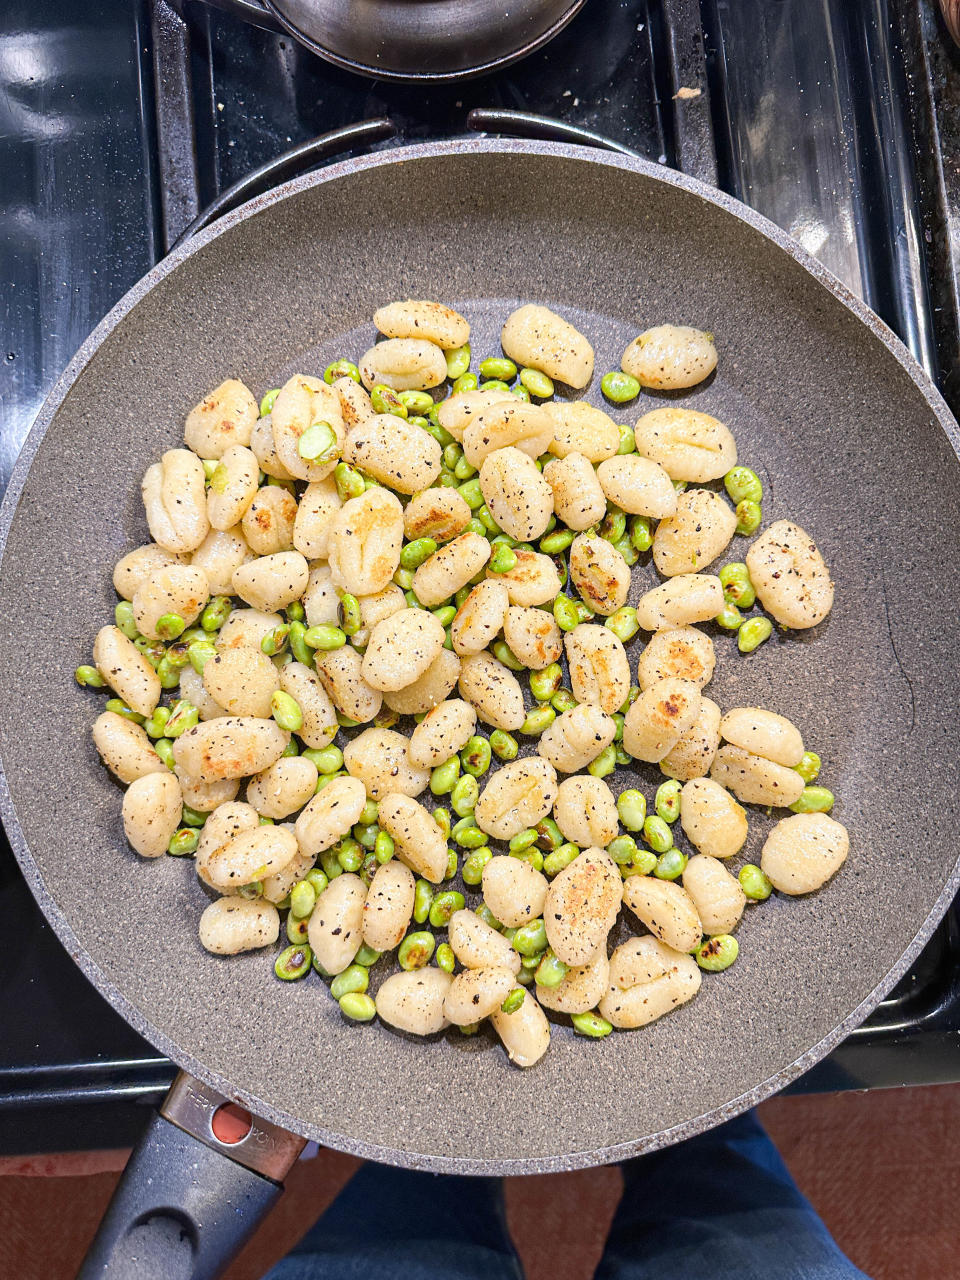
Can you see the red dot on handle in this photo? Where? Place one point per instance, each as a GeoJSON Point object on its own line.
{"type": "Point", "coordinates": [231, 1124]}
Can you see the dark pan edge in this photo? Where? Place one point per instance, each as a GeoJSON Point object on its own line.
{"type": "Point", "coordinates": [52, 911]}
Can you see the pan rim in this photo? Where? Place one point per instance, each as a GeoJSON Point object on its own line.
{"type": "Point", "coordinates": [58, 920]}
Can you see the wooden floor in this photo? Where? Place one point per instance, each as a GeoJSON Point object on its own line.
{"type": "Point", "coordinates": [883, 1170]}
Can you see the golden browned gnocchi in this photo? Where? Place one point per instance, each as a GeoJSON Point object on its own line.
{"type": "Point", "coordinates": [790, 576]}
{"type": "Point", "coordinates": [380, 759]}
{"type": "Point", "coordinates": [537, 337]}
{"type": "Point", "coordinates": [330, 814]}
{"type": "Point", "coordinates": [270, 521]}
{"type": "Point", "coordinates": [476, 993]}
{"type": "Point", "coordinates": [450, 568]}
{"type": "Point", "coordinates": [283, 788]}
{"type": "Point", "coordinates": [638, 485]}
{"type": "Point", "coordinates": [272, 582]}
{"type": "Point", "coordinates": [680, 653]}
{"type": "Point", "coordinates": [492, 691]}
{"type": "Point", "coordinates": [480, 618]}
{"type": "Point", "coordinates": [688, 444]}
{"type": "Point", "coordinates": [586, 812]}
{"type": "Point", "coordinates": [692, 597]}
{"type": "Point", "coordinates": [218, 556]}
{"type": "Point", "coordinates": [389, 906]}
{"type": "Point", "coordinates": [439, 514]}
{"type": "Point", "coordinates": [533, 579]}
{"type": "Point", "coordinates": [756, 780]}
{"type": "Point", "coordinates": [175, 500]}
{"type": "Point", "coordinates": [599, 572]}
{"type": "Point", "coordinates": [405, 364]}
{"type": "Point", "coordinates": [669, 357]}
{"type": "Point", "coordinates": [578, 499]}
{"type": "Point", "coordinates": [397, 453]}
{"type": "Point", "coordinates": [311, 527]}
{"type": "Point", "coordinates": [442, 732]}
{"type": "Point", "coordinates": [712, 820]}
{"type": "Point", "coordinates": [137, 565]}
{"type": "Point", "coordinates": [516, 494]}
{"type": "Point", "coordinates": [513, 890]}
{"type": "Point", "coordinates": [582, 905]}
{"type": "Point", "coordinates": [223, 418]}
{"type": "Point", "coordinates": [477, 945]}
{"type": "Point", "coordinates": [576, 737]}
{"type": "Point", "coordinates": [430, 690]}
{"type": "Point", "coordinates": [716, 894]}
{"type": "Point", "coordinates": [507, 423]}
{"type": "Point", "coordinates": [242, 681]}
{"type": "Point", "coordinates": [419, 841]}
{"type": "Point", "coordinates": [303, 403]}
{"type": "Point", "coordinates": [250, 856]}
{"type": "Point", "coordinates": [126, 670]}
{"type": "Point", "coordinates": [341, 673]}
{"type": "Point", "coordinates": [233, 486]}
{"type": "Point", "coordinates": [578, 427]}
{"type": "Point", "coordinates": [532, 636]}
{"type": "Point", "coordinates": [666, 909]}
{"type": "Point", "coordinates": [178, 589]}
{"type": "Point", "coordinates": [599, 671]}
{"type": "Point", "coordinates": [151, 810]}
{"type": "Point", "coordinates": [401, 649]}
{"type": "Point", "coordinates": [431, 321]}
{"type": "Point", "coordinates": [456, 413]}
{"type": "Point", "coordinates": [693, 753]}
{"type": "Point", "coordinates": [647, 980]}
{"type": "Point", "coordinates": [801, 853]}
{"type": "Point", "coordinates": [659, 717]}
{"type": "Point", "coordinates": [231, 747]}
{"type": "Point", "coordinates": [518, 796]}
{"type": "Point", "coordinates": [698, 531]}
{"type": "Point", "coordinates": [364, 542]}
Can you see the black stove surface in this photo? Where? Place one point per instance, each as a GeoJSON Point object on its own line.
{"type": "Point", "coordinates": [120, 121]}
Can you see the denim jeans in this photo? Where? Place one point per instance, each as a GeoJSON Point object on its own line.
{"type": "Point", "coordinates": [721, 1205]}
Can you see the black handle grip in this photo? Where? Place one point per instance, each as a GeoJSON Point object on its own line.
{"type": "Point", "coordinates": [181, 1211]}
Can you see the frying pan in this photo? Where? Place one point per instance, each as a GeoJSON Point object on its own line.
{"type": "Point", "coordinates": [849, 437]}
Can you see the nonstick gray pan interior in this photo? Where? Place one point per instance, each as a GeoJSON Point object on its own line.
{"type": "Point", "coordinates": [850, 441]}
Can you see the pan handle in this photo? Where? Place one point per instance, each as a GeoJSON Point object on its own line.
{"type": "Point", "coordinates": [194, 1190]}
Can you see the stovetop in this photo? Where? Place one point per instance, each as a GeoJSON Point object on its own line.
{"type": "Point", "coordinates": [120, 120]}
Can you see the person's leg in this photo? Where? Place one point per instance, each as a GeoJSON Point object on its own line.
{"type": "Point", "coordinates": [721, 1205]}
{"type": "Point", "coordinates": [393, 1224]}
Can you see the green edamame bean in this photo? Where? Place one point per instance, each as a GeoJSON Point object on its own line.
{"type": "Point", "coordinates": [494, 384]}
{"type": "Point", "coordinates": [124, 619]}
{"type": "Point", "coordinates": [193, 817]}
{"type": "Point", "coordinates": [350, 851]}
{"type": "Point", "coordinates": [552, 544]}
{"type": "Point", "coordinates": [286, 711]}
{"type": "Point", "coordinates": [502, 560]}
{"type": "Point", "coordinates": [318, 879]}
{"type": "Point", "coordinates": [471, 493]}
{"type": "Point", "coordinates": [521, 393]}
{"type": "Point", "coordinates": [349, 615]}
{"type": "Point", "coordinates": [630, 699]}
{"type": "Point", "coordinates": [325, 637]}
{"type": "Point", "coordinates": [605, 763]}
{"type": "Point", "coordinates": [513, 1000]}
{"type": "Point", "coordinates": [293, 962]}
{"type": "Point", "coordinates": [318, 443]}
{"type": "Point", "coordinates": [169, 626]}
{"type": "Point", "coordinates": [717, 954]}
{"type": "Point", "coordinates": [365, 835]}
{"type": "Point", "coordinates": [667, 800]}
{"type": "Point", "coordinates": [555, 862]}
{"type": "Point", "coordinates": [628, 551]}
{"type": "Point", "coordinates": [216, 613]}
{"type": "Point", "coordinates": [530, 939]}
{"type": "Point", "coordinates": [445, 614]}
{"type": "Point", "coordinates": [354, 978]}
{"type": "Point", "coordinates": [416, 402]}
{"type": "Point", "coordinates": [422, 898]}
{"type": "Point", "coordinates": [252, 891]}
{"type": "Point", "coordinates": [523, 840]}
{"type": "Point", "coordinates": [670, 865]}
{"type": "Point", "coordinates": [537, 720]}
{"type": "Point", "coordinates": [445, 958]}
{"type": "Point", "coordinates": [565, 613]}
{"type": "Point", "coordinates": [330, 864]}
{"type": "Point", "coordinates": [809, 766]}
{"type": "Point", "coordinates": [303, 898]}
{"type": "Point", "coordinates": [465, 382]}
{"type": "Point", "coordinates": [680, 486]}
{"type": "Point", "coordinates": [491, 529]}
{"type": "Point", "coordinates": [591, 1025]}
{"type": "Point", "coordinates": [755, 884]}
{"type": "Point", "coordinates": [749, 516]}
{"type": "Point", "coordinates": [443, 906]}
{"type": "Point", "coordinates": [157, 722]}
{"type": "Point", "coordinates": [613, 525]}
{"type": "Point", "coordinates": [472, 869]}
{"type": "Point", "coordinates": [640, 534]}
{"type": "Point", "coordinates": [325, 759]}
{"type": "Point", "coordinates": [533, 857]}
{"type": "Point", "coordinates": [504, 745]}
{"type": "Point", "coordinates": [498, 368]}
{"type": "Point", "coordinates": [753, 634]}
{"type": "Point", "coordinates": [443, 778]}
{"type": "Point", "coordinates": [623, 623]}
{"type": "Point", "coordinates": [168, 673]}
{"type": "Point", "coordinates": [199, 654]}
{"type": "Point", "coordinates": [642, 864]}
{"type": "Point", "coordinates": [412, 601]}
{"type": "Point", "coordinates": [348, 480]}
{"type": "Point", "coordinates": [464, 470]}
{"type": "Point", "coordinates": [484, 913]}
{"type": "Point", "coordinates": [340, 369]}
{"type": "Point", "coordinates": [464, 796]}
{"type": "Point", "coordinates": [164, 749]}
{"type": "Point", "coordinates": [550, 972]}
{"type": "Point", "coordinates": [298, 646]}
{"type": "Point", "coordinates": [383, 847]}
{"type": "Point", "coordinates": [743, 484]}
{"type": "Point", "coordinates": [737, 587]}
{"type": "Point", "coordinates": [657, 834]}
{"type": "Point", "coordinates": [476, 526]}
{"type": "Point", "coordinates": [266, 404]}
{"type": "Point", "coordinates": [623, 757]}
{"type": "Point", "coordinates": [183, 842]}
{"type": "Point", "coordinates": [452, 455]}
{"type": "Point", "coordinates": [549, 835]}
{"type": "Point", "coordinates": [729, 618]}
{"type": "Point", "coordinates": [415, 553]}
{"type": "Point", "coordinates": [537, 383]}
{"type": "Point", "coordinates": [183, 716]}
{"type": "Point", "coordinates": [357, 1006]}
{"type": "Point", "coordinates": [442, 818]}
{"type": "Point", "coordinates": [623, 849]}
{"type": "Point", "coordinates": [544, 684]}
{"type": "Point", "coordinates": [503, 653]}
{"type": "Point", "coordinates": [468, 835]}
{"type": "Point", "coordinates": [295, 611]}
{"type": "Point", "coordinates": [453, 864]}
{"type": "Point", "coordinates": [447, 480]}
{"type": "Point", "coordinates": [404, 579]}
{"type": "Point", "coordinates": [385, 400]}
{"type": "Point", "coordinates": [563, 700]}
{"type": "Point", "coordinates": [457, 360]}
{"type": "Point", "coordinates": [813, 800]}
{"type": "Point", "coordinates": [89, 677]}
{"type": "Point", "coordinates": [584, 612]}
{"type": "Point", "coordinates": [415, 950]}
{"type": "Point", "coordinates": [366, 956]}
{"type": "Point", "coordinates": [628, 441]}
{"type": "Point", "coordinates": [619, 387]}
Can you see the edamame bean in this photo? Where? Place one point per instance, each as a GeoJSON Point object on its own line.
{"type": "Point", "coordinates": [350, 851]}
{"type": "Point", "coordinates": [445, 958]}
{"type": "Point", "coordinates": [504, 745]}
{"type": "Point", "coordinates": [266, 404]}
{"type": "Point", "coordinates": [618, 387]}
{"type": "Point", "coordinates": [415, 553]}
{"type": "Point", "coordinates": [523, 840]}
{"type": "Point", "coordinates": [464, 796]}
{"type": "Point", "coordinates": [415, 950]}
{"type": "Point", "coordinates": [354, 978]}
{"type": "Point", "coordinates": [809, 766]}
{"type": "Point", "coordinates": [445, 614]}
{"type": "Point", "coordinates": [199, 654]}
{"type": "Point", "coordinates": [357, 1006]}
{"type": "Point", "coordinates": [348, 614]}
{"type": "Point", "coordinates": [286, 711]}
{"type": "Point", "coordinates": [555, 862]}
{"type": "Point", "coordinates": [123, 617]}
{"type": "Point", "coordinates": [729, 618]}
{"type": "Point", "coordinates": [298, 645]}
{"type": "Point", "coordinates": [484, 913]}
{"type": "Point", "coordinates": [471, 493]}
{"type": "Point", "coordinates": [216, 613]}
{"type": "Point", "coordinates": [584, 612]}
{"type": "Point", "coordinates": [89, 677]}
{"type": "Point", "coordinates": [303, 898]}
{"type": "Point", "coordinates": [563, 700]}
{"type": "Point", "coordinates": [183, 716]}
{"type": "Point", "coordinates": [640, 534]}
{"type": "Point", "coordinates": [628, 551]}
{"type": "Point", "coordinates": [416, 402]}
{"type": "Point", "coordinates": [551, 544]}
{"type": "Point", "coordinates": [623, 623]}
{"type": "Point", "coordinates": [491, 529]}
{"type": "Point", "coordinates": [521, 393]}
{"type": "Point", "coordinates": [743, 484]}
{"type": "Point", "coordinates": [183, 842]}
{"type": "Point", "coordinates": [468, 835]}
{"type": "Point", "coordinates": [530, 939]}
{"type": "Point", "coordinates": [443, 906]}
{"type": "Point", "coordinates": [544, 684]}
{"type": "Point", "coordinates": [340, 369]}
{"type": "Point", "coordinates": [452, 455]}
{"type": "Point", "coordinates": [503, 653]}
{"type": "Point", "coordinates": [737, 587]}
{"type": "Point", "coordinates": [642, 865]}
{"type": "Point", "coordinates": [252, 891]}
{"type": "Point", "coordinates": [366, 956]}
{"type": "Point", "coordinates": [605, 763]}
{"type": "Point", "coordinates": [157, 722]}
{"type": "Point", "coordinates": [442, 818]}
{"type": "Point", "coordinates": [718, 953]}
{"type": "Point", "coordinates": [537, 720]}
{"type": "Point", "coordinates": [422, 898]}
{"type": "Point", "coordinates": [326, 760]}
{"type": "Point", "coordinates": [753, 634]}
{"type": "Point", "coordinates": [275, 641]}
{"type": "Point", "coordinates": [537, 383]}
{"type": "Point", "coordinates": [458, 361]}
{"type": "Point", "coordinates": [293, 962]}
{"type": "Point", "coordinates": [324, 637]}
{"type": "Point", "coordinates": [498, 368]}
{"type": "Point", "coordinates": [549, 835]}
{"type": "Point", "coordinates": [318, 443]}
{"type": "Point", "coordinates": [749, 515]}
{"type": "Point", "coordinates": [813, 800]}
{"type": "Point", "coordinates": [348, 480]}
{"type": "Point", "coordinates": [443, 778]}
{"type": "Point", "coordinates": [164, 749]}
{"type": "Point", "coordinates": [667, 800]}
{"type": "Point", "coordinates": [628, 442]}
{"type": "Point", "coordinates": [330, 864]}
{"type": "Point", "coordinates": [670, 865]}
{"type": "Point", "coordinates": [385, 400]}
{"type": "Point", "coordinates": [502, 560]}
{"type": "Point", "coordinates": [317, 879]}
{"type": "Point", "coordinates": [565, 613]}
{"type": "Point", "coordinates": [657, 834]}
{"type": "Point", "coordinates": [513, 1000]}
{"type": "Point", "coordinates": [465, 382]}
{"type": "Point", "coordinates": [623, 849]}
{"type": "Point", "coordinates": [550, 972]}
{"type": "Point", "coordinates": [472, 869]}
{"type": "Point", "coordinates": [632, 809]}
{"type": "Point", "coordinates": [613, 525]}
{"type": "Point", "coordinates": [591, 1025]}
{"type": "Point", "coordinates": [383, 847]}
{"type": "Point", "coordinates": [754, 883]}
